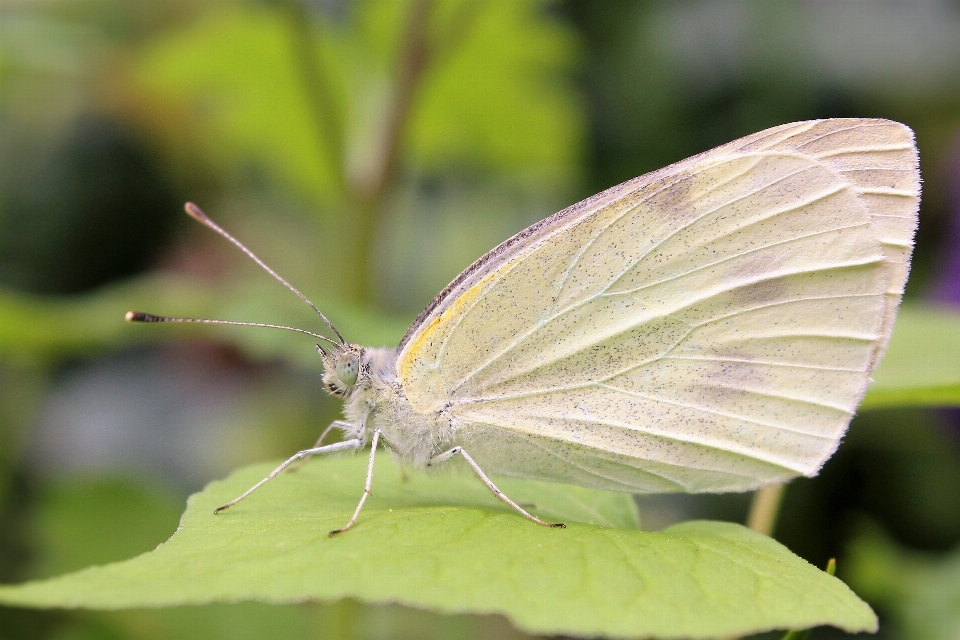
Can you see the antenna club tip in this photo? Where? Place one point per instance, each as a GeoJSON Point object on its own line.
{"type": "Point", "coordinates": [137, 316]}
{"type": "Point", "coordinates": [194, 212]}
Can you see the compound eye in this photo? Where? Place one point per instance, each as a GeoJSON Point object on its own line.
{"type": "Point", "coordinates": [348, 366]}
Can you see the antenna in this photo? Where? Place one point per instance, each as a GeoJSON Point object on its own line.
{"type": "Point", "coordinates": [139, 316]}
{"type": "Point", "coordinates": [198, 215]}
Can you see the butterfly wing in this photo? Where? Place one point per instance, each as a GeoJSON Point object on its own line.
{"type": "Point", "coordinates": [708, 327]}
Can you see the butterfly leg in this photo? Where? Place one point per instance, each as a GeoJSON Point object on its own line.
{"type": "Point", "coordinates": [339, 424]}
{"type": "Point", "coordinates": [446, 455]}
{"type": "Point", "coordinates": [366, 488]}
{"type": "Point", "coordinates": [330, 448]}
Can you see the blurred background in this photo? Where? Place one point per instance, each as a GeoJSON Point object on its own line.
{"type": "Point", "coordinates": [369, 151]}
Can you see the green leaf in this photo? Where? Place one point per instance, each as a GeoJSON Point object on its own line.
{"type": "Point", "coordinates": [805, 633]}
{"type": "Point", "coordinates": [498, 96]}
{"type": "Point", "coordinates": [231, 79]}
{"type": "Point", "coordinates": [920, 366]}
{"type": "Point", "coordinates": [84, 521]}
{"type": "Point", "coordinates": [503, 98]}
{"type": "Point", "coordinates": [445, 544]}
{"type": "Point", "coordinates": [921, 592]}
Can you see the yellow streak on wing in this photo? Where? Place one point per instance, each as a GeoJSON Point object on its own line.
{"type": "Point", "coordinates": [418, 369]}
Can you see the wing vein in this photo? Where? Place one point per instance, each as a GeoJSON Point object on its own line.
{"type": "Point", "coordinates": [767, 363]}
{"type": "Point", "coordinates": [733, 416]}
{"type": "Point", "coordinates": [540, 324]}
{"type": "Point", "coordinates": [681, 339]}
{"type": "Point", "coordinates": [673, 437]}
{"type": "Point", "coordinates": [700, 442]}
{"type": "Point", "coordinates": [596, 473]}
{"type": "Point", "coordinates": [782, 302]}
{"type": "Point", "coordinates": [785, 133]}
{"type": "Point", "coordinates": [599, 232]}
{"type": "Point", "coordinates": [865, 149]}
{"type": "Point", "coordinates": [830, 133]}
{"type": "Point", "coordinates": [888, 191]}
{"type": "Point", "coordinates": [737, 255]}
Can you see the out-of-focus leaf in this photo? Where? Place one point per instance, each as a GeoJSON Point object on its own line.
{"type": "Point", "coordinates": [231, 78]}
{"type": "Point", "coordinates": [920, 592]}
{"type": "Point", "coordinates": [922, 364]}
{"type": "Point", "coordinates": [446, 544]}
{"type": "Point", "coordinates": [497, 96]}
{"type": "Point", "coordinates": [83, 522]}
{"type": "Point", "coordinates": [502, 99]}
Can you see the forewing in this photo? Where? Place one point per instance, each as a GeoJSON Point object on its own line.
{"type": "Point", "coordinates": [711, 326]}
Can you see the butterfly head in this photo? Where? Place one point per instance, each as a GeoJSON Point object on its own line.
{"type": "Point", "coordinates": [343, 368]}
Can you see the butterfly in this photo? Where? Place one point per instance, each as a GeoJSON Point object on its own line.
{"type": "Point", "coordinates": [708, 327]}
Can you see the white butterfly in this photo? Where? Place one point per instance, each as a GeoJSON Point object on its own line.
{"type": "Point", "coordinates": [708, 327]}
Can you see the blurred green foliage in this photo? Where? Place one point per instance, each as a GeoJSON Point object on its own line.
{"type": "Point", "coordinates": [921, 592]}
{"type": "Point", "coordinates": [920, 366]}
{"type": "Point", "coordinates": [369, 155]}
{"type": "Point", "coordinates": [488, 103]}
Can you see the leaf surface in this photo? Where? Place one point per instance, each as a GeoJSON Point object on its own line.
{"type": "Point", "coordinates": [920, 366]}
{"type": "Point", "coordinates": [444, 543]}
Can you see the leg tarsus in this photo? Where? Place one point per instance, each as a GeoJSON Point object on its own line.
{"type": "Point", "coordinates": [366, 487]}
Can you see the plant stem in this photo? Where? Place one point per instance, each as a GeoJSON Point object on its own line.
{"type": "Point", "coordinates": [764, 509]}
{"type": "Point", "coordinates": [371, 190]}
{"type": "Point", "coordinates": [367, 193]}
{"type": "Point", "coordinates": [326, 116]}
